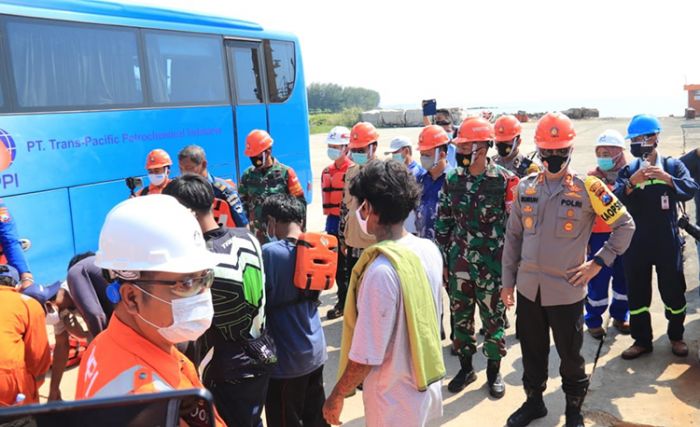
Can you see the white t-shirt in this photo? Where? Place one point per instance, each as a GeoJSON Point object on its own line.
{"type": "Point", "coordinates": [381, 339]}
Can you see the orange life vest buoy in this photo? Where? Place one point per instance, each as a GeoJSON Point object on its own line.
{"type": "Point", "coordinates": [332, 186]}
{"type": "Point", "coordinates": [222, 213]}
{"type": "Point", "coordinates": [317, 261]}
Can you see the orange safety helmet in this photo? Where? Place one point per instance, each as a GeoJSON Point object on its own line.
{"type": "Point", "coordinates": [507, 128]}
{"type": "Point", "coordinates": [432, 137]}
{"type": "Point", "coordinates": [158, 158]}
{"type": "Point", "coordinates": [363, 134]}
{"type": "Point", "coordinates": [554, 131]}
{"type": "Point", "coordinates": [474, 129]}
{"type": "Point", "coordinates": [256, 142]}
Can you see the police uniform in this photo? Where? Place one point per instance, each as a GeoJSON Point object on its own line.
{"type": "Point", "coordinates": [547, 235]}
{"type": "Point", "coordinates": [519, 164]}
{"type": "Point", "coordinates": [226, 192]}
{"type": "Point", "coordinates": [470, 229]}
{"type": "Point", "coordinates": [332, 187]}
{"type": "Point", "coordinates": [657, 241]}
{"type": "Point", "coordinates": [258, 183]}
{"type": "Point", "coordinates": [10, 247]}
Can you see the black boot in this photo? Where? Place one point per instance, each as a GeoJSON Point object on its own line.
{"type": "Point", "coordinates": [464, 377]}
{"type": "Point", "coordinates": [532, 409]}
{"type": "Point", "coordinates": [573, 411]}
{"type": "Point", "coordinates": [497, 388]}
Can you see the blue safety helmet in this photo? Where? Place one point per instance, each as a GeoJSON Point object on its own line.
{"type": "Point", "coordinates": [42, 293]}
{"type": "Point", "coordinates": [643, 124]}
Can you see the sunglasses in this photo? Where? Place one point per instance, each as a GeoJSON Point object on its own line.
{"type": "Point", "coordinates": [183, 288]}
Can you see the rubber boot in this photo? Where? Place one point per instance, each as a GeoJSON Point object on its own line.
{"type": "Point", "coordinates": [497, 388]}
{"type": "Point", "coordinates": [573, 411]}
{"type": "Point", "coordinates": [464, 377]}
{"type": "Point", "coordinates": [532, 409]}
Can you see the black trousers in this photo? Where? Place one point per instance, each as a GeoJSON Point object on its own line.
{"type": "Point", "coordinates": [349, 264]}
{"type": "Point", "coordinates": [296, 402]}
{"type": "Point", "coordinates": [341, 279]}
{"type": "Point", "coordinates": [671, 281]}
{"type": "Point", "coordinates": [533, 323]}
{"type": "Point", "coordinates": [240, 403]}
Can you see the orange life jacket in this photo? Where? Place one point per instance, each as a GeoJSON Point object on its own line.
{"type": "Point", "coordinates": [332, 186]}
{"type": "Point", "coordinates": [316, 263]}
{"type": "Point", "coordinates": [222, 213]}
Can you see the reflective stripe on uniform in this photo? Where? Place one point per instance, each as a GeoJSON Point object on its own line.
{"type": "Point", "coordinates": [679, 311]}
{"type": "Point", "coordinates": [650, 182]}
{"type": "Point", "coordinates": [123, 384]}
{"type": "Point", "coordinates": [639, 311]}
{"type": "Point", "coordinates": [599, 303]}
{"type": "Point", "coordinates": [619, 297]}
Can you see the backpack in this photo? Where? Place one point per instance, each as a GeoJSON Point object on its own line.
{"type": "Point", "coordinates": [316, 261]}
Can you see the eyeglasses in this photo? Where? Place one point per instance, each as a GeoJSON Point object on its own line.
{"type": "Point", "coordinates": [563, 152]}
{"type": "Point", "coordinates": [183, 288]}
{"type": "Point", "coordinates": [443, 123]}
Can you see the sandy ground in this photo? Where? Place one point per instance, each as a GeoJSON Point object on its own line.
{"type": "Point", "coordinates": [658, 389]}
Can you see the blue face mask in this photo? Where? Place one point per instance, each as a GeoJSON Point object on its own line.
{"type": "Point", "coordinates": [334, 153]}
{"type": "Point", "coordinates": [360, 158]}
{"type": "Point", "coordinates": [606, 163]}
{"type": "Point", "coordinates": [397, 156]}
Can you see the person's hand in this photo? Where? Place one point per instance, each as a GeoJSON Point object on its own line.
{"type": "Point", "coordinates": [54, 394]}
{"type": "Point", "coordinates": [584, 273]}
{"type": "Point", "coordinates": [343, 249]}
{"type": "Point", "coordinates": [638, 177]}
{"type": "Point", "coordinates": [508, 297]}
{"type": "Point", "coordinates": [655, 172]}
{"type": "Point", "coordinates": [332, 409]}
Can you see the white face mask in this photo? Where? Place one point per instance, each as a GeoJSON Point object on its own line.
{"type": "Point", "coordinates": [191, 317]}
{"type": "Point", "coordinates": [362, 222]}
{"type": "Point", "coordinates": [53, 317]}
{"type": "Point", "coordinates": [156, 178]}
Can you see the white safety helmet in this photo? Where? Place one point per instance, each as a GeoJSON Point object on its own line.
{"type": "Point", "coordinates": [610, 138]}
{"type": "Point", "coordinates": [154, 233]}
{"type": "Point", "coordinates": [339, 135]}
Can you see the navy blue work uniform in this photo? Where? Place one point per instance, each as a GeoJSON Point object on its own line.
{"type": "Point", "coordinates": [10, 245]}
{"type": "Point", "coordinates": [656, 242]}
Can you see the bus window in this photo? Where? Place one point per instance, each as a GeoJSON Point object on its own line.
{"type": "Point", "coordinates": [185, 68]}
{"type": "Point", "coordinates": [70, 65]}
{"type": "Point", "coordinates": [281, 68]}
{"type": "Point", "coordinates": [246, 72]}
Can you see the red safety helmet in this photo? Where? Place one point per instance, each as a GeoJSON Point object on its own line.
{"type": "Point", "coordinates": [474, 129]}
{"type": "Point", "coordinates": [432, 137]}
{"type": "Point", "coordinates": [363, 134]}
{"type": "Point", "coordinates": [554, 131]}
{"type": "Point", "coordinates": [158, 158]}
{"type": "Point", "coordinates": [507, 128]}
{"type": "Point", "coordinates": [256, 142]}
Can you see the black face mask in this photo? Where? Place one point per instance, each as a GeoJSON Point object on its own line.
{"type": "Point", "coordinates": [554, 163]}
{"type": "Point", "coordinates": [504, 149]}
{"type": "Point", "coordinates": [463, 160]}
{"type": "Point", "coordinates": [641, 151]}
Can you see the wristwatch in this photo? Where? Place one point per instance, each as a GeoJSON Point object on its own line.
{"type": "Point", "coordinates": [598, 260]}
{"type": "Point", "coordinates": [628, 184]}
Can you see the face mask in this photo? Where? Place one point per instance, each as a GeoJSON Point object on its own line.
{"type": "Point", "coordinates": [53, 317]}
{"type": "Point", "coordinates": [360, 158]}
{"type": "Point", "coordinates": [259, 161]}
{"type": "Point", "coordinates": [156, 178]}
{"type": "Point", "coordinates": [191, 317]}
{"type": "Point", "coordinates": [362, 222]}
{"type": "Point", "coordinates": [640, 150]}
{"type": "Point", "coordinates": [428, 162]}
{"type": "Point", "coordinates": [463, 160]}
{"type": "Point", "coordinates": [555, 163]}
{"type": "Point", "coordinates": [397, 156]}
{"type": "Point", "coordinates": [606, 163]}
{"type": "Point", "coordinates": [334, 153]}
{"type": "Point", "coordinates": [504, 149]}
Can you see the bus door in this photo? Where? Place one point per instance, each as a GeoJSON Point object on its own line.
{"type": "Point", "coordinates": [246, 74]}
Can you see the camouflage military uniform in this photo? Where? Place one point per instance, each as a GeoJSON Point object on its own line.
{"type": "Point", "coordinates": [470, 231]}
{"type": "Point", "coordinates": [257, 184]}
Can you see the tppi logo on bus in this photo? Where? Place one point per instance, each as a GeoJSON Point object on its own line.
{"type": "Point", "coordinates": [8, 152]}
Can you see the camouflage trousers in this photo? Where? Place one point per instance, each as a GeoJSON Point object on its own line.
{"type": "Point", "coordinates": [465, 295]}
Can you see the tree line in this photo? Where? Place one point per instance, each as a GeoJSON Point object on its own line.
{"type": "Point", "coordinates": [331, 97]}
